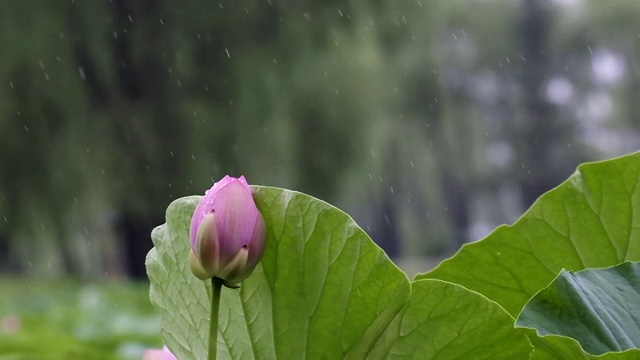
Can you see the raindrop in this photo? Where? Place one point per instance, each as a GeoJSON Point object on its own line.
{"type": "Point", "coordinates": [411, 163]}
{"type": "Point", "coordinates": [11, 84]}
{"type": "Point", "coordinates": [130, 18]}
{"type": "Point", "coordinates": [161, 22]}
{"type": "Point", "coordinates": [82, 74]}
{"type": "Point", "coordinates": [227, 51]}
{"type": "Point", "coordinates": [26, 128]}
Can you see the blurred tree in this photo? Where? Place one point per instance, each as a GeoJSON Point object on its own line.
{"type": "Point", "coordinates": [417, 117]}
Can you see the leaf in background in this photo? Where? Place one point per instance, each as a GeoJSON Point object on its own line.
{"type": "Point", "coordinates": [600, 308]}
{"type": "Point", "coordinates": [322, 290]}
{"type": "Point", "coordinates": [591, 220]}
{"type": "Point", "coordinates": [557, 347]}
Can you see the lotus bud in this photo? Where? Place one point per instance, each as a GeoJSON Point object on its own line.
{"type": "Point", "coordinates": [154, 354]}
{"type": "Point", "coordinates": [227, 233]}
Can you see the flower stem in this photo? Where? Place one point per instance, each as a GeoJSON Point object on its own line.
{"type": "Point", "coordinates": [216, 283]}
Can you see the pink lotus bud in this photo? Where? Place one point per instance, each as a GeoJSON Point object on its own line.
{"type": "Point", "coordinates": [155, 354]}
{"type": "Point", "coordinates": [10, 324]}
{"type": "Point", "coordinates": [227, 233]}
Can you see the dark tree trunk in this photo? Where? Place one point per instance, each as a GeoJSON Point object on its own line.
{"type": "Point", "coordinates": [456, 202]}
{"type": "Point", "coordinates": [7, 261]}
{"type": "Point", "coordinates": [134, 233]}
{"type": "Point", "coordinates": [87, 70]}
{"type": "Point", "coordinates": [539, 128]}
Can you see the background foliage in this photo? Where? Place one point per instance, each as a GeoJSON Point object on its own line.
{"type": "Point", "coordinates": [414, 116]}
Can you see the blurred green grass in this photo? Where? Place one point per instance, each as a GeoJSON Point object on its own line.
{"type": "Point", "coordinates": [74, 320]}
